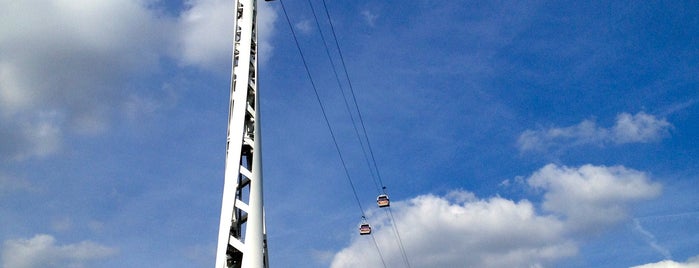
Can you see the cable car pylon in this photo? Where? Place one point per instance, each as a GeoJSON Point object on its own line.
{"type": "Point", "coordinates": [242, 238]}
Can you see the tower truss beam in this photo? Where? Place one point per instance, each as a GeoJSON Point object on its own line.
{"type": "Point", "coordinates": [242, 239]}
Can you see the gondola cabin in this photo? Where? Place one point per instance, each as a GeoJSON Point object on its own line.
{"type": "Point", "coordinates": [383, 201]}
{"type": "Point", "coordinates": [364, 229]}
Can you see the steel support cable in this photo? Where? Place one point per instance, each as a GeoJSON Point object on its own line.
{"type": "Point", "coordinates": [354, 98]}
{"type": "Point", "coordinates": [381, 188]}
{"type": "Point", "coordinates": [344, 98]}
{"type": "Point", "coordinates": [356, 131]}
{"type": "Point", "coordinates": [327, 122]}
{"type": "Point", "coordinates": [400, 241]}
{"type": "Point", "coordinates": [366, 136]}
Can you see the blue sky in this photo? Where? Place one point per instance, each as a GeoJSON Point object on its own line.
{"type": "Point", "coordinates": [508, 134]}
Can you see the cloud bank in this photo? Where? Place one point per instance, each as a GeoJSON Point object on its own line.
{"type": "Point", "coordinates": [460, 230]}
{"type": "Point", "coordinates": [68, 67]}
{"type": "Point", "coordinates": [691, 263]}
{"type": "Point", "coordinates": [590, 196]}
{"type": "Point", "coordinates": [42, 251]}
{"type": "Point", "coordinates": [64, 65]}
{"type": "Point", "coordinates": [638, 128]}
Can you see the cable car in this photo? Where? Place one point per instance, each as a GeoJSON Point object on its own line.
{"type": "Point", "coordinates": [364, 229]}
{"type": "Point", "coordinates": [383, 201]}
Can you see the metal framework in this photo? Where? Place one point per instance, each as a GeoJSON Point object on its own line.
{"type": "Point", "coordinates": [242, 239]}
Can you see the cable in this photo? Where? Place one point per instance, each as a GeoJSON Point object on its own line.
{"type": "Point", "coordinates": [400, 241]}
{"type": "Point", "coordinates": [366, 136]}
{"type": "Point", "coordinates": [389, 213]}
{"type": "Point", "coordinates": [354, 125]}
{"type": "Point", "coordinates": [354, 98]}
{"type": "Point", "coordinates": [327, 122]}
{"type": "Point", "coordinates": [344, 97]}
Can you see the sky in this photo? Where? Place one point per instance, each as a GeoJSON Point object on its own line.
{"type": "Point", "coordinates": [507, 134]}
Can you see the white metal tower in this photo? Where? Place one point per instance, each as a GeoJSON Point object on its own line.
{"type": "Point", "coordinates": [242, 239]}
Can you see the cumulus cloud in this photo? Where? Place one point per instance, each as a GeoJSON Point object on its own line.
{"type": "Point", "coordinates": [64, 52]}
{"type": "Point", "coordinates": [691, 263]}
{"type": "Point", "coordinates": [64, 65]}
{"type": "Point", "coordinates": [461, 230]}
{"type": "Point", "coordinates": [592, 196]}
{"type": "Point", "coordinates": [42, 251]}
{"type": "Point", "coordinates": [69, 66]}
{"type": "Point", "coordinates": [206, 33]}
{"type": "Point", "coordinates": [638, 128]}
{"type": "Point", "coordinates": [458, 232]}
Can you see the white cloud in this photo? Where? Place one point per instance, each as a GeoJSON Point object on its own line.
{"type": "Point", "coordinates": [67, 66]}
{"type": "Point", "coordinates": [638, 128]}
{"type": "Point", "coordinates": [322, 256]}
{"type": "Point", "coordinates": [64, 52]}
{"type": "Point", "coordinates": [207, 32]}
{"type": "Point", "coordinates": [691, 263]}
{"type": "Point", "coordinates": [64, 64]}
{"type": "Point", "coordinates": [42, 251]}
{"type": "Point", "coordinates": [442, 232]}
{"type": "Point", "coordinates": [136, 107]}
{"type": "Point", "coordinates": [460, 230]}
{"type": "Point", "coordinates": [35, 134]}
{"type": "Point", "coordinates": [586, 132]}
{"type": "Point", "coordinates": [592, 196]}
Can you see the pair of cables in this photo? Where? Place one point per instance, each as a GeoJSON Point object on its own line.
{"type": "Point", "coordinates": [376, 176]}
{"type": "Point", "coordinates": [369, 156]}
